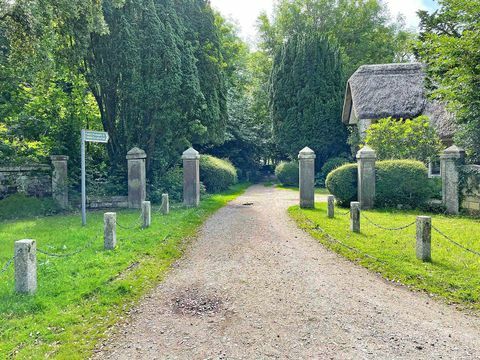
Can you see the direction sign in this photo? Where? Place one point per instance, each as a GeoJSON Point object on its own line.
{"type": "Point", "coordinates": [96, 136]}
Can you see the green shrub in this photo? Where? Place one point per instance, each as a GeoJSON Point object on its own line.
{"type": "Point", "coordinates": [398, 182]}
{"type": "Point", "coordinates": [20, 206]}
{"type": "Point", "coordinates": [170, 183]}
{"type": "Point", "coordinates": [402, 182]}
{"type": "Point", "coordinates": [330, 165]}
{"type": "Point", "coordinates": [342, 182]}
{"type": "Point", "coordinates": [217, 174]}
{"type": "Point", "coordinates": [287, 173]}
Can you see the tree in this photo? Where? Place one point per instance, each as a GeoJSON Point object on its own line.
{"type": "Point", "coordinates": [307, 87]}
{"type": "Point", "coordinates": [404, 139]}
{"type": "Point", "coordinates": [449, 45]}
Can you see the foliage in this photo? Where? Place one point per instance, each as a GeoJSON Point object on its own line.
{"type": "Point", "coordinates": [217, 174]}
{"type": "Point", "coordinates": [19, 206]}
{"type": "Point", "coordinates": [171, 183]}
{"type": "Point", "coordinates": [449, 45]}
{"type": "Point", "coordinates": [330, 165]}
{"type": "Point", "coordinates": [362, 29]}
{"type": "Point", "coordinates": [87, 293]}
{"type": "Point", "coordinates": [307, 96]}
{"type": "Point", "coordinates": [401, 182]}
{"type": "Point", "coordinates": [452, 275]}
{"type": "Point", "coordinates": [342, 183]}
{"type": "Point", "coordinates": [404, 139]}
{"type": "Point", "coordinates": [287, 173]}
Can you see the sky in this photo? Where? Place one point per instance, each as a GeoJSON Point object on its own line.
{"type": "Point", "coordinates": [245, 12]}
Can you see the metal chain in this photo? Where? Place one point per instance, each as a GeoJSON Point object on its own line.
{"type": "Point", "coordinates": [7, 265]}
{"type": "Point", "coordinates": [345, 213]}
{"type": "Point", "coordinates": [387, 228]}
{"type": "Point", "coordinates": [69, 254]}
{"type": "Point", "coordinates": [454, 242]}
{"type": "Point", "coordinates": [132, 226]}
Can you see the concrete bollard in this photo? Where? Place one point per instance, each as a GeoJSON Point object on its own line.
{"type": "Point", "coordinates": [165, 207]}
{"type": "Point", "coordinates": [110, 230]}
{"type": "Point", "coordinates": [25, 266]}
{"type": "Point", "coordinates": [146, 214]}
{"type": "Point", "coordinates": [355, 216]}
{"type": "Point", "coordinates": [331, 206]}
{"type": "Point", "coordinates": [424, 238]}
{"type": "Point", "coordinates": [306, 168]}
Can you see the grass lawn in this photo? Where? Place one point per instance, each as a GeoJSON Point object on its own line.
{"type": "Point", "coordinates": [80, 296]}
{"type": "Point", "coordinates": [453, 274]}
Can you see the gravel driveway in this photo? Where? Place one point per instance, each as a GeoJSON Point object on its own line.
{"type": "Point", "coordinates": [253, 286]}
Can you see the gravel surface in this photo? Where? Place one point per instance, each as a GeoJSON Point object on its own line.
{"type": "Point", "coordinates": [254, 286]}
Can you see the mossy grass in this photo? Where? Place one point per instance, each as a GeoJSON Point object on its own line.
{"type": "Point", "coordinates": [453, 274]}
{"type": "Point", "coordinates": [80, 296]}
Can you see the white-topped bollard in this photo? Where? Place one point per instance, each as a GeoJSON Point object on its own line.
{"type": "Point", "coordinates": [110, 230]}
{"type": "Point", "coordinates": [355, 216]}
{"type": "Point", "coordinates": [165, 207]}
{"type": "Point", "coordinates": [25, 266]}
{"type": "Point", "coordinates": [306, 168]}
{"type": "Point", "coordinates": [331, 206]}
{"type": "Point", "coordinates": [146, 214]}
{"type": "Point", "coordinates": [424, 238]}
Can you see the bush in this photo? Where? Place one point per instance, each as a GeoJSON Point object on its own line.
{"type": "Point", "coordinates": [287, 173]}
{"type": "Point", "coordinates": [342, 182]}
{"type": "Point", "coordinates": [19, 206]}
{"type": "Point", "coordinates": [402, 182]}
{"type": "Point", "coordinates": [170, 183]}
{"type": "Point", "coordinates": [217, 174]}
{"type": "Point", "coordinates": [330, 165]}
{"type": "Point", "coordinates": [398, 182]}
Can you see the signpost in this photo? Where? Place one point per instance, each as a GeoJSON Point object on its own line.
{"type": "Point", "coordinates": [89, 136]}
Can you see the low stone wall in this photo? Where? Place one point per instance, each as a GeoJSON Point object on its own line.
{"type": "Point", "coordinates": [107, 202]}
{"type": "Point", "coordinates": [470, 188]}
{"type": "Point", "coordinates": [32, 180]}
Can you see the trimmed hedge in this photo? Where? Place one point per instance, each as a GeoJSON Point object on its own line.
{"type": "Point", "coordinates": [287, 173]}
{"type": "Point", "coordinates": [398, 182]}
{"type": "Point", "coordinates": [342, 182]}
{"type": "Point", "coordinates": [330, 165]}
{"type": "Point", "coordinates": [217, 174]}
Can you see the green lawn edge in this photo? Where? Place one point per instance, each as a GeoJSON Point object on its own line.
{"type": "Point", "coordinates": [74, 331]}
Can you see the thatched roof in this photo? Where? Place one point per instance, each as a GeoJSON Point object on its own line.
{"type": "Point", "coordinates": [396, 90]}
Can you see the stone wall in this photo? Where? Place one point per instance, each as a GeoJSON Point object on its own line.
{"type": "Point", "coordinates": [470, 192]}
{"type": "Point", "coordinates": [32, 180]}
{"type": "Point", "coordinates": [107, 202]}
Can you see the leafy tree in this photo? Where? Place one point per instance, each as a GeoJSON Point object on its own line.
{"type": "Point", "coordinates": [307, 87]}
{"type": "Point", "coordinates": [449, 44]}
{"type": "Point", "coordinates": [404, 139]}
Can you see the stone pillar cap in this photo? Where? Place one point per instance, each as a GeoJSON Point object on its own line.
{"type": "Point", "coordinates": [136, 153]}
{"type": "Point", "coordinates": [306, 153]}
{"type": "Point", "coordinates": [366, 153]}
{"type": "Point", "coordinates": [453, 152]}
{"type": "Point", "coordinates": [191, 154]}
{"type": "Point", "coordinates": [59, 158]}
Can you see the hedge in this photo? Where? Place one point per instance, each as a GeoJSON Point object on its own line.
{"type": "Point", "coordinates": [398, 182]}
{"type": "Point", "coordinates": [217, 174]}
{"type": "Point", "coordinates": [287, 173]}
{"type": "Point", "coordinates": [330, 165]}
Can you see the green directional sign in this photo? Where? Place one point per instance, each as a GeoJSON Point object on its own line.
{"type": "Point", "coordinates": [96, 136]}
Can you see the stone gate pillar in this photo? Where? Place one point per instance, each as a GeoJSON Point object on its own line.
{"type": "Point", "coordinates": [137, 184]}
{"type": "Point", "coordinates": [191, 177]}
{"type": "Point", "coordinates": [450, 161]}
{"type": "Point", "coordinates": [366, 177]}
{"type": "Point", "coordinates": [306, 159]}
{"type": "Point", "coordinates": [60, 179]}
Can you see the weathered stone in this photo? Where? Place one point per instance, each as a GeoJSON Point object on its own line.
{"type": "Point", "coordinates": [424, 238]}
{"type": "Point", "coordinates": [146, 214]}
{"type": "Point", "coordinates": [60, 180]}
{"type": "Point", "coordinates": [191, 177]}
{"type": "Point", "coordinates": [25, 266]}
{"type": "Point", "coordinates": [355, 216]}
{"type": "Point", "coordinates": [366, 177]}
{"type": "Point", "coordinates": [331, 206]}
{"type": "Point", "coordinates": [165, 207]}
{"type": "Point", "coordinates": [31, 180]}
{"type": "Point", "coordinates": [110, 230]}
{"type": "Point", "coordinates": [137, 184]}
{"type": "Point", "coordinates": [450, 161]}
{"type": "Point", "coordinates": [306, 159]}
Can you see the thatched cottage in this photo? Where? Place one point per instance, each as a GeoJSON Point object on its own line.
{"type": "Point", "coordinates": [397, 90]}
